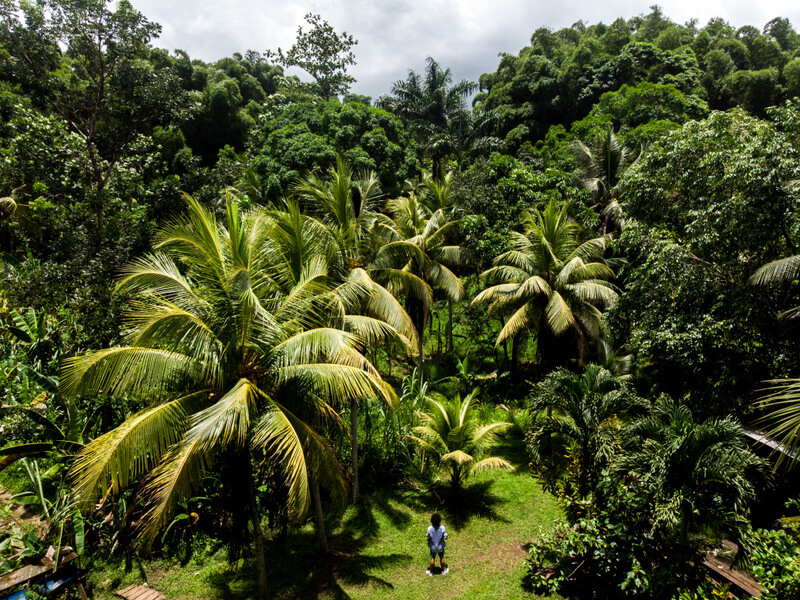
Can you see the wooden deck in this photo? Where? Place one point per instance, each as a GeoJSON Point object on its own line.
{"type": "Point", "coordinates": [140, 592]}
{"type": "Point", "coordinates": [723, 569]}
{"type": "Point", "coordinates": [29, 572]}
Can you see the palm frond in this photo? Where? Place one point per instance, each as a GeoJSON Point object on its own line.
{"type": "Point", "coordinates": [224, 423]}
{"type": "Point", "coordinates": [492, 462]}
{"type": "Point", "coordinates": [784, 269]}
{"type": "Point", "coordinates": [337, 383]}
{"type": "Point", "coordinates": [458, 457]}
{"type": "Point", "coordinates": [116, 459]}
{"type": "Point", "coordinates": [129, 369]}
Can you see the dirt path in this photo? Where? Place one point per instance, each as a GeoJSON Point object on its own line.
{"type": "Point", "coordinates": [16, 514]}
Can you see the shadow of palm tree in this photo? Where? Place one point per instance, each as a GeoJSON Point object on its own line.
{"type": "Point", "coordinates": [362, 519]}
{"type": "Point", "coordinates": [474, 500]}
{"type": "Point", "coordinates": [296, 569]}
{"type": "Point", "coordinates": [458, 508]}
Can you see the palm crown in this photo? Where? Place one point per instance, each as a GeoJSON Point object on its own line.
{"type": "Point", "coordinates": [551, 282]}
{"type": "Point", "coordinates": [234, 341]}
{"type": "Point", "coordinates": [452, 432]}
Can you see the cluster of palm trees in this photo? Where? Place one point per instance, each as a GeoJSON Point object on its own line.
{"type": "Point", "coordinates": [693, 476]}
{"type": "Point", "coordinates": [247, 334]}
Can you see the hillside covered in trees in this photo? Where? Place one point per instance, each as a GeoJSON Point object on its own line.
{"type": "Point", "coordinates": [240, 310]}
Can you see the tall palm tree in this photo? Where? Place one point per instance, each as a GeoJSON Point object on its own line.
{"type": "Point", "coordinates": [417, 245]}
{"type": "Point", "coordinates": [695, 474]}
{"type": "Point", "coordinates": [781, 402]}
{"type": "Point", "coordinates": [452, 433]}
{"type": "Point", "coordinates": [551, 282]}
{"type": "Point", "coordinates": [233, 343]}
{"type": "Point", "coordinates": [435, 195]}
{"type": "Point", "coordinates": [435, 110]}
{"type": "Point", "coordinates": [346, 203]}
{"type": "Point", "coordinates": [601, 166]}
{"type": "Point", "coordinates": [584, 411]}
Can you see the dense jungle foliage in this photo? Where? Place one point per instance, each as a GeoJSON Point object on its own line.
{"type": "Point", "coordinates": [234, 302]}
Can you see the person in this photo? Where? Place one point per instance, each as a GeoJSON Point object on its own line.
{"type": "Point", "coordinates": [437, 536]}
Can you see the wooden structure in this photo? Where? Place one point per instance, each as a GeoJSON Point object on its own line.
{"type": "Point", "coordinates": [32, 573]}
{"type": "Point", "coordinates": [723, 568]}
{"type": "Point", "coordinates": [762, 439]}
{"type": "Point", "coordinates": [140, 592]}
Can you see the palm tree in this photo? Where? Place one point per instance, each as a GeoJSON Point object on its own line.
{"type": "Point", "coordinates": [232, 341]}
{"type": "Point", "coordinates": [452, 433]}
{"type": "Point", "coordinates": [417, 246]}
{"type": "Point", "coordinates": [600, 169]}
{"type": "Point", "coordinates": [551, 282]}
{"type": "Point", "coordinates": [781, 270]}
{"type": "Point", "coordinates": [347, 205]}
{"type": "Point", "coordinates": [584, 412]}
{"type": "Point", "coordinates": [695, 474]}
{"type": "Point", "coordinates": [434, 109]}
{"type": "Point", "coordinates": [435, 195]}
{"type": "Point", "coordinates": [781, 402]}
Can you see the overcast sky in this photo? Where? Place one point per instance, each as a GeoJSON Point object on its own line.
{"type": "Point", "coordinates": [397, 35]}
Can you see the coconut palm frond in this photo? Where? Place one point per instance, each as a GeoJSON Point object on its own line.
{"type": "Point", "coordinates": [375, 332]}
{"type": "Point", "coordinates": [129, 369]}
{"type": "Point", "coordinates": [524, 318]}
{"type": "Point", "coordinates": [224, 423]}
{"type": "Point", "coordinates": [458, 457]}
{"type": "Point", "coordinates": [336, 383]}
{"type": "Point", "coordinates": [113, 460]}
{"type": "Point", "coordinates": [492, 462]}
{"type": "Point", "coordinates": [785, 269]}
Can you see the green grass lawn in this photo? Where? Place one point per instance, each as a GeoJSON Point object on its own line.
{"type": "Point", "coordinates": [378, 551]}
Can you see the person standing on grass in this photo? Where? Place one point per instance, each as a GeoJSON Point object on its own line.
{"type": "Point", "coordinates": [437, 536]}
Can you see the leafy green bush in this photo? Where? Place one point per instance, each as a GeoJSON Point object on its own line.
{"type": "Point", "coordinates": [775, 559]}
{"type": "Point", "coordinates": [610, 553]}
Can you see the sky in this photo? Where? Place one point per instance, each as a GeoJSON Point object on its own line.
{"type": "Point", "coordinates": [397, 35]}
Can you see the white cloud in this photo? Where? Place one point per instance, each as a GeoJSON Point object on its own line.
{"type": "Point", "coordinates": [397, 35]}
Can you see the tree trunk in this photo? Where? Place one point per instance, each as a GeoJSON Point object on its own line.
{"type": "Point", "coordinates": [515, 348]}
{"type": "Point", "coordinates": [263, 591]}
{"type": "Point", "coordinates": [354, 447]}
{"type": "Point", "coordinates": [449, 326]}
{"type": "Point", "coordinates": [321, 535]}
{"type": "Point", "coordinates": [455, 481]}
{"type": "Point", "coordinates": [419, 354]}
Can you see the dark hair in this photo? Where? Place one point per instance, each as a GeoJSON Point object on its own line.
{"type": "Point", "coordinates": [436, 519]}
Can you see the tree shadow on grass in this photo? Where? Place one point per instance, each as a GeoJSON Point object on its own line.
{"type": "Point", "coordinates": [362, 520]}
{"type": "Point", "coordinates": [473, 500]}
{"type": "Point", "coordinates": [302, 572]}
{"type": "Point", "coordinates": [296, 569]}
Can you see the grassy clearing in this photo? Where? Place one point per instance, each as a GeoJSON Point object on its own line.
{"type": "Point", "coordinates": [378, 551]}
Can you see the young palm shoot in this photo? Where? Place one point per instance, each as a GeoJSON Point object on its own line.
{"type": "Point", "coordinates": [452, 434]}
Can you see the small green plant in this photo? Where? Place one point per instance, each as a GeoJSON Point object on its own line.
{"type": "Point", "coordinates": [452, 433]}
{"type": "Point", "coordinates": [17, 547]}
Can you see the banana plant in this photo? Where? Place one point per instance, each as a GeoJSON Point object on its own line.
{"type": "Point", "coordinates": [58, 512]}
{"type": "Point", "coordinates": [62, 441]}
{"type": "Point", "coordinates": [33, 332]}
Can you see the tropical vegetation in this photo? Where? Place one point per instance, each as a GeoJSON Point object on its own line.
{"type": "Point", "coordinates": [255, 329]}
